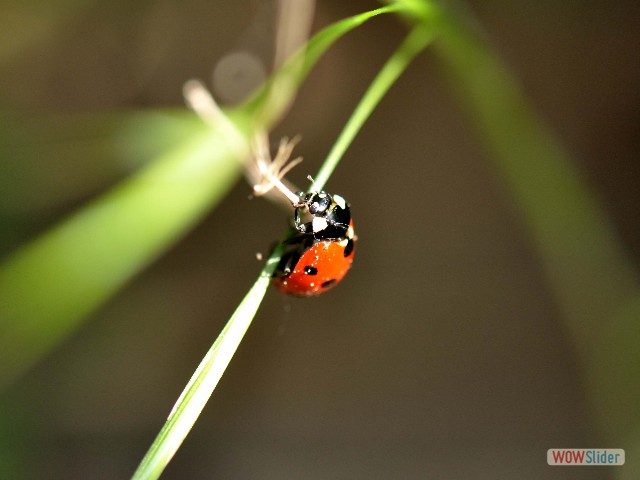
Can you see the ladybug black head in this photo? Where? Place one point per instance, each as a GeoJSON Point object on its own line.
{"type": "Point", "coordinates": [319, 203]}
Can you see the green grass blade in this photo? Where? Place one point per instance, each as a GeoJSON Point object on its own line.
{"type": "Point", "coordinates": [572, 231]}
{"type": "Point", "coordinates": [203, 382]}
{"type": "Point", "coordinates": [415, 42]}
{"type": "Point", "coordinates": [63, 158]}
{"type": "Point", "coordinates": [594, 282]}
{"type": "Point", "coordinates": [47, 287]}
{"type": "Point", "coordinates": [271, 100]}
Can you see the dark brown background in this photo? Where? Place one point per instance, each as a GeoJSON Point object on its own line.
{"type": "Point", "coordinates": [442, 355]}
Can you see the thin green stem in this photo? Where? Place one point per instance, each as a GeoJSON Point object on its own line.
{"type": "Point", "coordinates": [270, 102]}
{"type": "Point", "coordinates": [197, 392]}
{"type": "Point", "coordinates": [414, 43]}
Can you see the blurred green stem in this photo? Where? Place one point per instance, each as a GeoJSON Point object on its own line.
{"type": "Point", "coordinates": [53, 282]}
{"type": "Point", "coordinates": [594, 283]}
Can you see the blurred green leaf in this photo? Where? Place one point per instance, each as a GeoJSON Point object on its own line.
{"type": "Point", "coordinates": [49, 161]}
{"type": "Point", "coordinates": [50, 284]}
{"type": "Point", "coordinates": [594, 282]}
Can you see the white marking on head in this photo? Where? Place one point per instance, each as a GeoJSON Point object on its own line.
{"type": "Point", "coordinates": [350, 232]}
{"type": "Point", "coordinates": [319, 224]}
{"type": "Point", "coordinates": [341, 202]}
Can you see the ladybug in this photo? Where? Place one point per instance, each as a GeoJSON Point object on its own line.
{"type": "Point", "coordinates": [319, 251]}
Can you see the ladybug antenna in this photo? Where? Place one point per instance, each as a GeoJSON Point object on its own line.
{"type": "Point", "coordinates": [313, 183]}
{"type": "Point", "coordinates": [273, 171]}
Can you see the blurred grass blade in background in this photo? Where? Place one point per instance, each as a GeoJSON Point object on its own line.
{"type": "Point", "coordinates": [53, 161]}
{"type": "Point", "coordinates": [50, 284]}
{"type": "Point", "coordinates": [592, 278]}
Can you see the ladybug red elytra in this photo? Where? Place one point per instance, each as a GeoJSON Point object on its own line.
{"type": "Point", "coordinates": [319, 253]}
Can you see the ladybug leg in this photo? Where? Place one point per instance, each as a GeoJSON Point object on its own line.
{"type": "Point", "coordinates": [303, 227]}
{"type": "Point", "coordinates": [297, 221]}
{"type": "Point", "coordinates": [294, 246]}
{"type": "Point", "coordinates": [287, 263]}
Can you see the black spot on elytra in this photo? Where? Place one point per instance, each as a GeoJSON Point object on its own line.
{"type": "Point", "coordinates": [348, 250]}
{"type": "Point", "coordinates": [309, 270]}
{"type": "Point", "coordinates": [328, 283]}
